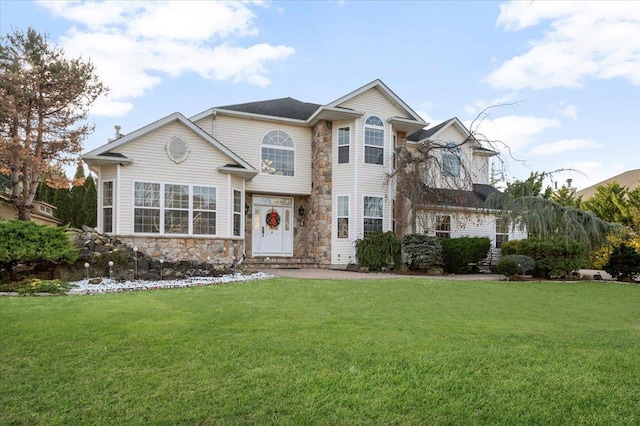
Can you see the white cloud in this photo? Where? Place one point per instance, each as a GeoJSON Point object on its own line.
{"type": "Point", "coordinates": [136, 45]}
{"type": "Point", "coordinates": [569, 110]}
{"type": "Point", "coordinates": [512, 133]}
{"type": "Point", "coordinates": [597, 40]}
{"type": "Point", "coordinates": [564, 145]}
{"type": "Point", "coordinates": [422, 111]}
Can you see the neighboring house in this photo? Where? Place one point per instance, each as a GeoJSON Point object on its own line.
{"type": "Point", "coordinates": [276, 180]}
{"type": "Point", "coordinates": [454, 193]}
{"type": "Point", "coordinates": [42, 213]}
{"type": "Point", "coordinates": [629, 179]}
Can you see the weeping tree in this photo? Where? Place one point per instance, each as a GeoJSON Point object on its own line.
{"type": "Point", "coordinates": [45, 100]}
{"type": "Point", "coordinates": [422, 181]}
{"type": "Point", "coordinates": [546, 218]}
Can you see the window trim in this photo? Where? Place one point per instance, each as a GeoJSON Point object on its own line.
{"type": "Point", "coordinates": [341, 216]}
{"type": "Point", "coordinates": [291, 148]}
{"type": "Point", "coordinates": [451, 151]}
{"type": "Point", "coordinates": [346, 145]}
{"type": "Point", "coordinates": [442, 232]}
{"type": "Point", "coordinates": [372, 146]}
{"type": "Point", "coordinates": [162, 209]}
{"type": "Point", "coordinates": [107, 206]}
{"type": "Point", "coordinates": [504, 228]}
{"type": "Point", "coordinates": [365, 217]}
{"type": "Point", "coordinates": [236, 213]}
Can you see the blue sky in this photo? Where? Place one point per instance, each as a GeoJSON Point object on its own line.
{"type": "Point", "coordinates": [566, 73]}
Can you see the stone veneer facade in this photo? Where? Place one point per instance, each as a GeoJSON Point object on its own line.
{"type": "Point", "coordinates": [179, 249]}
{"type": "Point", "coordinates": [314, 239]}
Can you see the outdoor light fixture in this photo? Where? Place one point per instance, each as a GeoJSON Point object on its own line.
{"type": "Point", "coordinates": [247, 209]}
{"type": "Point", "coordinates": [86, 270]}
{"type": "Point", "coordinates": [161, 262]}
{"type": "Point", "coordinates": [301, 211]}
{"type": "Point", "coordinates": [111, 269]}
{"type": "Point", "coordinates": [135, 261]}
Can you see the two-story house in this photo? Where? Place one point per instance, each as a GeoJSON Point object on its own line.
{"type": "Point", "coordinates": [277, 179]}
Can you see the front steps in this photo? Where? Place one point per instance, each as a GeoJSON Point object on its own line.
{"type": "Point", "coordinates": [254, 263]}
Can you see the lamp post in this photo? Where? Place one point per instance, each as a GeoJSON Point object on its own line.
{"type": "Point", "coordinates": [86, 270]}
{"type": "Point", "coordinates": [111, 269]}
{"type": "Point", "coordinates": [135, 262]}
{"type": "Point", "coordinates": [161, 263]}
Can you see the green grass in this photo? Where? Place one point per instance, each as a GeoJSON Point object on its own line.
{"type": "Point", "coordinates": [285, 351]}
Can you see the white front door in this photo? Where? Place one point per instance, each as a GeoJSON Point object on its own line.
{"type": "Point", "coordinates": [272, 227]}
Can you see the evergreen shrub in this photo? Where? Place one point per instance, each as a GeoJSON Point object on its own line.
{"type": "Point", "coordinates": [623, 263]}
{"type": "Point", "coordinates": [378, 250]}
{"type": "Point", "coordinates": [557, 257]}
{"type": "Point", "coordinates": [515, 264]}
{"type": "Point", "coordinates": [28, 243]}
{"type": "Point", "coordinates": [458, 253]}
{"type": "Point", "coordinates": [421, 251]}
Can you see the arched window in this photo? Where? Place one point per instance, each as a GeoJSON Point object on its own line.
{"type": "Point", "coordinates": [374, 140]}
{"type": "Point", "coordinates": [451, 160]}
{"type": "Point", "coordinates": [278, 154]}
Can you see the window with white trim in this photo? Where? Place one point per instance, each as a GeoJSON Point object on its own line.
{"type": "Point", "coordinates": [185, 209]}
{"type": "Point", "coordinates": [394, 159]}
{"type": "Point", "coordinates": [374, 140]}
{"type": "Point", "coordinates": [278, 154]}
{"type": "Point", "coordinates": [237, 213]}
{"type": "Point", "coordinates": [502, 231]}
{"type": "Point", "coordinates": [344, 142]}
{"type": "Point", "coordinates": [443, 226]}
{"type": "Point", "coordinates": [176, 209]}
{"type": "Point", "coordinates": [373, 213]}
{"type": "Point", "coordinates": [146, 212]}
{"type": "Point", "coordinates": [343, 216]}
{"type": "Point", "coordinates": [204, 210]}
{"type": "Point", "coordinates": [107, 206]}
{"type": "Point", "coordinates": [451, 160]}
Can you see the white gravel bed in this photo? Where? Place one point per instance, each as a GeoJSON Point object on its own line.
{"type": "Point", "coordinates": [112, 286]}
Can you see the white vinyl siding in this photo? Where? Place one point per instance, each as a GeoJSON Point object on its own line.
{"type": "Point", "coordinates": [152, 164]}
{"type": "Point", "coordinates": [244, 137]}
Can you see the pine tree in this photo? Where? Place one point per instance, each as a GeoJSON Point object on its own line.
{"type": "Point", "coordinates": [77, 215]}
{"type": "Point", "coordinates": [90, 202]}
{"type": "Point", "coordinates": [45, 100]}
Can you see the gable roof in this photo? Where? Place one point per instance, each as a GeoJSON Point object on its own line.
{"type": "Point", "coordinates": [283, 107]}
{"type": "Point", "coordinates": [629, 179]}
{"type": "Point", "coordinates": [105, 154]}
{"type": "Point", "coordinates": [434, 132]}
{"type": "Point", "coordinates": [411, 114]}
{"type": "Point", "coordinates": [475, 198]}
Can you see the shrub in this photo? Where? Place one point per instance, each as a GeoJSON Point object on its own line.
{"type": "Point", "coordinates": [623, 263]}
{"type": "Point", "coordinates": [30, 243]}
{"type": "Point", "coordinates": [554, 257]}
{"type": "Point", "coordinates": [118, 257]}
{"type": "Point", "coordinates": [458, 253]}
{"type": "Point", "coordinates": [508, 266]}
{"type": "Point", "coordinates": [378, 250]}
{"type": "Point", "coordinates": [515, 264]}
{"type": "Point", "coordinates": [36, 285]}
{"type": "Point", "coordinates": [421, 251]}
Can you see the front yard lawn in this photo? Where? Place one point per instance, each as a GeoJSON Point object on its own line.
{"type": "Point", "coordinates": [286, 351]}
